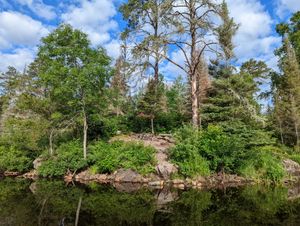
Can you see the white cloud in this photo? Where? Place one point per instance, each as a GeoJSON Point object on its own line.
{"type": "Point", "coordinates": [93, 17]}
{"type": "Point", "coordinates": [39, 8]}
{"type": "Point", "coordinates": [254, 38]}
{"type": "Point", "coordinates": [113, 48]}
{"type": "Point", "coordinates": [17, 29]}
{"type": "Point", "coordinates": [286, 6]}
{"type": "Point", "coordinates": [19, 58]}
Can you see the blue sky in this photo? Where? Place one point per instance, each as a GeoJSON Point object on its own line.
{"type": "Point", "coordinates": [24, 22]}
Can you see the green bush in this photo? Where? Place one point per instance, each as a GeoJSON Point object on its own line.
{"type": "Point", "coordinates": [190, 163]}
{"type": "Point", "coordinates": [262, 164]}
{"type": "Point", "coordinates": [223, 152]}
{"type": "Point", "coordinates": [108, 157]}
{"type": "Point", "coordinates": [295, 157]}
{"type": "Point", "coordinates": [201, 151]}
{"type": "Point", "coordinates": [69, 156]}
{"type": "Point", "coordinates": [13, 159]}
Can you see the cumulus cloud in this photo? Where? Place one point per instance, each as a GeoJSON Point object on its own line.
{"type": "Point", "coordinates": [254, 38]}
{"type": "Point", "coordinates": [93, 17]}
{"type": "Point", "coordinates": [39, 8]}
{"type": "Point", "coordinates": [17, 29]}
{"type": "Point", "coordinates": [286, 6]}
{"type": "Point", "coordinates": [19, 58]}
{"type": "Point", "coordinates": [113, 48]}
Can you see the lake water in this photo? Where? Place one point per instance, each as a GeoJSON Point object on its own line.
{"type": "Point", "coordinates": [24, 203]}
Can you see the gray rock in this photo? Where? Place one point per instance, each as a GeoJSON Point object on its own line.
{"type": "Point", "coordinates": [159, 184]}
{"type": "Point", "coordinates": [291, 167]}
{"type": "Point", "coordinates": [128, 175]}
{"type": "Point", "coordinates": [165, 169]}
{"type": "Point", "coordinates": [37, 162]}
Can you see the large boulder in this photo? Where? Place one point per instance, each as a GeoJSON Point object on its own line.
{"type": "Point", "coordinates": [38, 162]}
{"type": "Point", "coordinates": [127, 176]}
{"type": "Point", "coordinates": [165, 169]}
{"type": "Point", "coordinates": [291, 167]}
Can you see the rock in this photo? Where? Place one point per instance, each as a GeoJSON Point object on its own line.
{"type": "Point", "coordinates": [87, 176]}
{"type": "Point", "coordinates": [165, 169]}
{"type": "Point", "coordinates": [179, 186]}
{"type": "Point", "coordinates": [37, 162]}
{"type": "Point", "coordinates": [11, 174]}
{"type": "Point", "coordinates": [177, 181]}
{"type": "Point", "coordinates": [156, 183]}
{"type": "Point", "coordinates": [33, 174]}
{"type": "Point", "coordinates": [128, 175]}
{"type": "Point", "coordinates": [201, 179]}
{"type": "Point", "coordinates": [291, 167]}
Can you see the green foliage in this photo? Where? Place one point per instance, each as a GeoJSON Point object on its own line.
{"type": "Point", "coordinates": [13, 159]}
{"type": "Point", "coordinates": [190, 163]}
{"type": "Point", "coordinates": [211, 147]}
{"type": "Point", "coordinates": [261, 164]}
{"type": "Point", "coordinates": [68, 157]}
{"type": "Point", "coordinates": [224, 151]}
{"type": "Point", "coordinates": [108, 157]}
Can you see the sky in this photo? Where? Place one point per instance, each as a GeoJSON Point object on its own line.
{"type": "Point", "coordinates": [24, 22]}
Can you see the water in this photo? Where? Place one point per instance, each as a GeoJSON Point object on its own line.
{"type": "Point", "coordinates": [23, 203]}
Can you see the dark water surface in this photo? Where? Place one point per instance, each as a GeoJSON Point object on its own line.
{"type": "Point", "coordinates": [23, 203]}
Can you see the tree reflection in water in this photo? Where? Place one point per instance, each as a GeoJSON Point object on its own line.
{"type": "Point", "coordinates": [54, 203]}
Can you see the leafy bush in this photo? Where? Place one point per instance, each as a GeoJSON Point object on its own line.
{"type": "Point", "coordinates": [68, 156]}
{"type": "Point", "coordinates": [197, 149]}
{"type": "Point", "coordinates": [190, 163]}
{"type": "Point", "coordinates": [107, 158]}
{"type": "Point", "coordinates": [262, 165]}
{"type": "Point", "coordinates": [13, 159]}
{"type": "Point", "coordinates": [225, 151]}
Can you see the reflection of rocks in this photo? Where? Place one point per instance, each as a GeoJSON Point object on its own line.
{"type": "Point", "coordinates": [128, 175]}
{"type": "Point", "coordinates": [165, 196]}
{"type": "Point", "coordinates": [291, 167]}
{"type": "Point", "coordinates": [33, 187]}
{"type": "Point", "coordinates": [128, 187]}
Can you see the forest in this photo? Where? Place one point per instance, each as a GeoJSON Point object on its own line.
{"type": "Point", "coordinates": [227, 118]}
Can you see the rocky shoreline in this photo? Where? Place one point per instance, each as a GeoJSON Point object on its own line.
{"type": "Point", "coordinates": [164, 171]}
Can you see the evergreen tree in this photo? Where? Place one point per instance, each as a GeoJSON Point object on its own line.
{"type": "Point", "coordinates": [153, 101]}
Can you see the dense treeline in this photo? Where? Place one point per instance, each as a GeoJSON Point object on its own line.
{"type": "Point", "coordinates": [73, 95]}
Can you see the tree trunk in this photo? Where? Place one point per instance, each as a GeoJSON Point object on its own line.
{"type": "Point", "coordinates": [194, 96]}
{"type": "Point", "coordinates": [51, 143]}
{"type": "Point", "coordinates": [152, 125]}
{"type": "Point", "coordinates": [78, 211]}
{"type": "Point", "coordinates": [297, 137]}
{"type": "Point", "coordinates": [193, 54]}
{"type": "Point", "coordinates": [85, 129]}
{"type": "Point", "coordinates": [281, 133]}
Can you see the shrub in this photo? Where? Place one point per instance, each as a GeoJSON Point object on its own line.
{"type": "Point", "coordinates": [261, 164]}
{"type": "Point", "coordinates": [197, 149]}
{"type": "Point", "coordinates": [223, 152]}
{"type": "Point", "coordinates": [13, 159]}
{"type": "Point", "coordinates": [107, 158]}
{"type": "Point", "coordinates": [190, 163]}
{"type": "Point", "coordinates": [68, 156]}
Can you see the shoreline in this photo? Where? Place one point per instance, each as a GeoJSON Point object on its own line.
{"type": "Point", "coordinates": [129, 180]}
